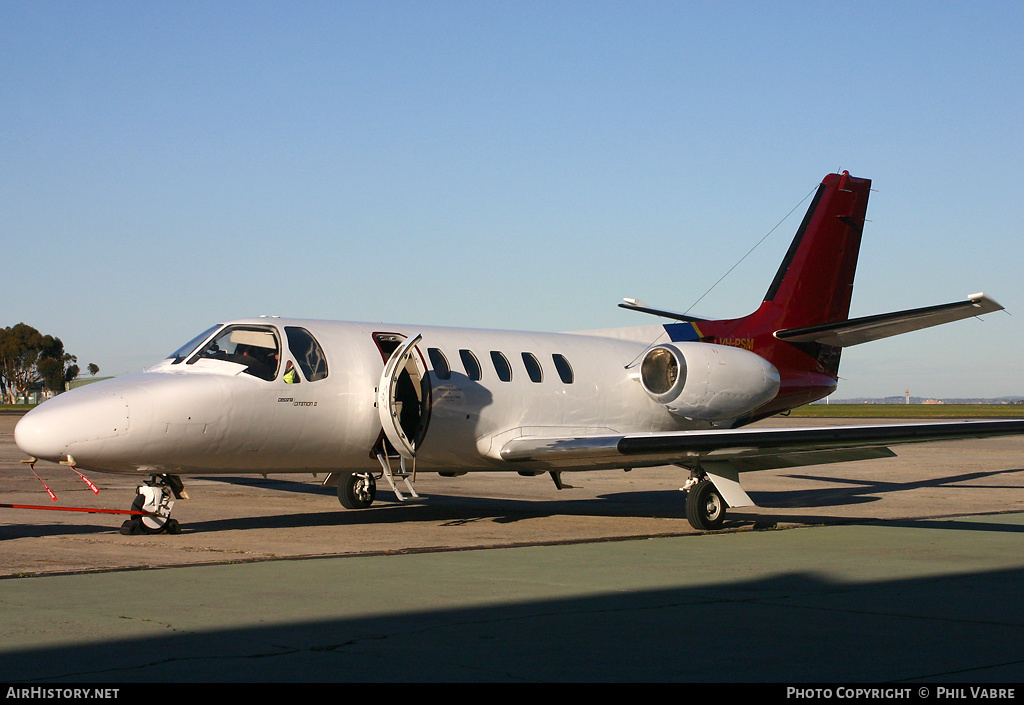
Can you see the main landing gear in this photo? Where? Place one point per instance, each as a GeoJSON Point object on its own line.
{"type": "Point", "coordinates": [705, 507]}
{"type": "Point", "coordinates": [357, 490]}
{"type": "Point", "coordinates": [154, 501]}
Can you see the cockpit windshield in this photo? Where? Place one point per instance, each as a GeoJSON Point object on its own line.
{"type": "Point", "coordinates": [182, 352]}
{"type": "Point", "coordinates": [256, 347]}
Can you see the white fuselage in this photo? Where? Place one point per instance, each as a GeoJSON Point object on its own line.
{"type": "Point", "coordinates": [211, 416]}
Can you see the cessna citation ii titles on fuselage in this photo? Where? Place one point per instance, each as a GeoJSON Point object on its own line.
{"type": "Point", "coordinates": [359, 402]}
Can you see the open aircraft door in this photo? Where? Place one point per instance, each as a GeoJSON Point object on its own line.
{"type": "Point", "coordinates": [403, 398]}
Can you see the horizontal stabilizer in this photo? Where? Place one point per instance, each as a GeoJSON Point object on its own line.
{"type": "Point", "coordinates": [863, 330]}
{"type": "Point", "coordinates": [634, 305]}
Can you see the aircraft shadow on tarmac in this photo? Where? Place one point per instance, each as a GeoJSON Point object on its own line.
{"type": "Point", "coordinates": [452, 509]}
{"type": "Point", "coordinates": [860, 490]}
{"type": "Point", "coordinates": [455, 509]}
{"type": "Point", "coordinates": [19, 531]}
{"type": "Point", "coordinates": [666, 504]}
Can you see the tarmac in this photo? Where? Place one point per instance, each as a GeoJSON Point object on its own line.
{"type": "Point", "coordinates": [905, 570]}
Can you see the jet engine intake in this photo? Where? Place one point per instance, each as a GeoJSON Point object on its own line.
{"type": "Point", "coordinates": [707, 382]}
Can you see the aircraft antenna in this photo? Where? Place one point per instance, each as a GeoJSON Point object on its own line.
{"type": "Point", "coordinates": [756, 245]}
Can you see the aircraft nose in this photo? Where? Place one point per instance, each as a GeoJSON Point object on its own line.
{"type": "Point", "coordinates": [52, 430]}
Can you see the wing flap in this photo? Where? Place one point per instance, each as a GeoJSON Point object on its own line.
{"type": "Point", "coordinates": [863, 330]}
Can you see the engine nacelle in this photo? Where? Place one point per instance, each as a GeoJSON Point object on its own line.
{"type": "Point", "coordinates": [708, 382]}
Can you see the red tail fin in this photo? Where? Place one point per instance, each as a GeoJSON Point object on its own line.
{"type": "Point", "coordinates": [814, 285]}
{"type": "Point", "coordinates": [815, 282]}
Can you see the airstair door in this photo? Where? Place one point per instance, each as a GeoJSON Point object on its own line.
{"type": "Point", "coordinates": [403, 398]}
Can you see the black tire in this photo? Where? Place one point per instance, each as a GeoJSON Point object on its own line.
{"type": "Point", "coordinates": [705, 507]}
{"type": "Point", "coordinates": [356, 491]}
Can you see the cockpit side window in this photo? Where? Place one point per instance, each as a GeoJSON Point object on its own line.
{"type": "Point", "coordinates": [307, 352]}
{"type": "Point", "coordinates": [182, 352]}
{"type": "Point", "coordinates": [256, 347]}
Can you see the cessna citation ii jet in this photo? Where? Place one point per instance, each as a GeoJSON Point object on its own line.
{"type": "Point", "coordinates": [363, 401]}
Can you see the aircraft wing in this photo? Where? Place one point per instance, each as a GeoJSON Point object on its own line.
{"type": "Point", "coordinates": [744, 449]}
{"type": "Point", "coordinates": [862, 330]}
{"type": "Point", "coordinates": [723, 454]}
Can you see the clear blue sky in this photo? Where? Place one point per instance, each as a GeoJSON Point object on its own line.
{"type": "Point", "coordinates": [166, 166]}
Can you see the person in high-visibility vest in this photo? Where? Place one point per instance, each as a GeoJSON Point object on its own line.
{"type": "Point", "coordinates": [291, 375]}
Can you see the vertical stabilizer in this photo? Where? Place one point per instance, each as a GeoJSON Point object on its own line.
{"type": "Point", "coordinates": [813, 286]}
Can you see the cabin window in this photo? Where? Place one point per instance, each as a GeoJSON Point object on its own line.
{"type": "Point", "coordinates": [533, 367]}
{"type": "Point", "coordinates": [563, 368]}
{"type": "Point", "coordinates": [183, 352]}
{"type": "Point", "coordinates": [439, 363]}
{"type": "Point", "coordinates": [307, 353]}
{"type": "Point", "coordinates": [471, 364]}
{"type": "Point", "coordinates": [255, 347]}
{"type": "Point", "coordinates": [501, 366]}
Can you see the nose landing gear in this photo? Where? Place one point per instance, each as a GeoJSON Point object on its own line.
{"type": "Point", "coordinates": [154, 500]}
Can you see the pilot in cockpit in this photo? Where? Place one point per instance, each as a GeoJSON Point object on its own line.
{"type": "Point", "coordinates": [291, 375]}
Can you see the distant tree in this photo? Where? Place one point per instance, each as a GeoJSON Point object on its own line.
{"type": "Point", "coordinates": [28, 358]}
{"type": "Point", "coordinates": [71, 370]}
{"type": "Point", "coordinates": [20, 346]}
{"type": "Point", "coordinates": [51, 373]}
{"type": "Point", "coordinates": [93, 368]}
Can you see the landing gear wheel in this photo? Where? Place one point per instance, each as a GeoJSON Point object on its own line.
{"type": "Point", "coordinates": [357, 490]}
{"type": "Point", "coordinates": [139, 525]}
{"type": "Point", "coordinates": [155, 498]}
{"type": "Point", "coordinates": [153, 523]}
{"type": "Point", "coordinates": [705, 508]}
